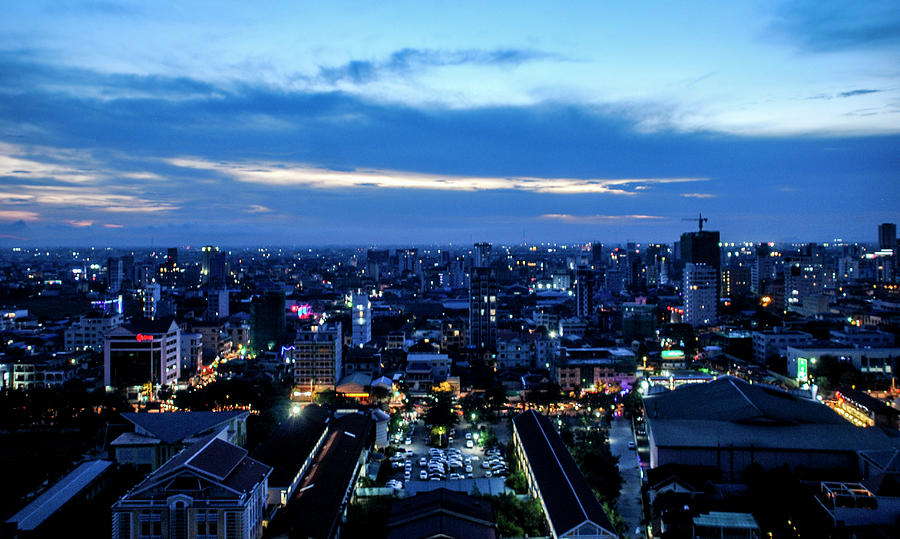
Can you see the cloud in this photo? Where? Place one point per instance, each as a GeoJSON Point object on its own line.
{"type": "Point", "coordinates": [596, 219]}
{"type": "Point", "coordinates": [839, 24]}
{"type": "Point", "coordinates": [409, 59]}
{"type": "Point", "coordinates": [113, 225]}
{"type": "Point", "coordinates": [861, 91]}
{"type": "Point", "coordinates": [698, 195]}
{"type": "Point", "coordinates": [298, 175]}
{"type": "Point", "coordinates": [18, 215]}
{"type": "Point", "coordinates": [80, 223]}
{"type": "Point", "coordinates": [257, 208]}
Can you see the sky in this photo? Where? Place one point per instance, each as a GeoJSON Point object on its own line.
{"type": "Point", "coordinates": [357, 123]}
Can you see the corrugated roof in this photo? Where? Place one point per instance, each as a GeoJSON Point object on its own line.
{"type": "Point", "coordinates": [39, 510]}
{"type": "Point", "coordinates": [566, 494]}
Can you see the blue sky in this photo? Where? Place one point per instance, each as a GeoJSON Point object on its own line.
{"type": "Point", "coordinates": [356, 123]}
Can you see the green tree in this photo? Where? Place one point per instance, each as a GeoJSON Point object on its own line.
{"type": "Point", "coordinates": [441, 411]}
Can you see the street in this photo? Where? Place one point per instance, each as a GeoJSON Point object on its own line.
{"type": "Point", "coordinates": [630, 505]}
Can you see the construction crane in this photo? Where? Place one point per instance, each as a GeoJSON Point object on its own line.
{"type": "Point", "coordinates": [700, 220]}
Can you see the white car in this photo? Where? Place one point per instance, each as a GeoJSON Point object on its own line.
{"type": "Point", "coordinates": [409, 441]}
{"type": "Point", "coordinates": [468, 468]}
{"type": "Point", "coordinates": [423, 475]}
{"type": "Point", "coordinates": [488, 473]}
{"type": "Point", "coordinates": [468, 436]}
{"type": "Point", "coordinates": [422, 461]}
{"type": "Point", "coordinates": [470, 444]}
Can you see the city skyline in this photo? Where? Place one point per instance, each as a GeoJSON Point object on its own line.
{"type": "Point", "coordinates": [129, 124]}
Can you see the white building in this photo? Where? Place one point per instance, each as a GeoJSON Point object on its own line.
{"type": "Point", "coordinates": [140, 353]}
{"type": "Point", "coordinates": [773, 343]}
{"type": "Point", "coordinates": [700, 294]}
{"type": "Point", "coordinates": [88, 331]}
{"type": "Point", "coordinates": [150, 296]}
{"type": "Point", "coordinates": [362, 318]}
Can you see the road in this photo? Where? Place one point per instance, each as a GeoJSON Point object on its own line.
{"type": "Point", "coordinates": [630, 505]}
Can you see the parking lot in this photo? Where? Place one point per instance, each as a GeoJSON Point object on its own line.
{"type": "Point", "coordinates": [456, 461]}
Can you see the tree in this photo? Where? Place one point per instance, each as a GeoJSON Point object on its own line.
{"type": "Point", "coordinates": [495, 398]}
{"type": "Point", "coordinates": [440, 412]}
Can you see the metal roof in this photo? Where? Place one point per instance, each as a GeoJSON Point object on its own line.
{"type": "Point", "coordinates": [36, 512]}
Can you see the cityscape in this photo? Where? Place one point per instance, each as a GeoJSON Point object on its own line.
{"type": "Point", "coordinates": [424, 270]}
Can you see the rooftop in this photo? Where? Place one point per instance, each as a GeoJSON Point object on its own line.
{"type": "Point", "coordinates": [173, 427]}
{"type": "Point", "coordinates": [568, 498]}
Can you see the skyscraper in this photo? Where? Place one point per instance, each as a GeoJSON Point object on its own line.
{"type": "Point", "coordinates": [887, 236]}
{"type": "Point", "coordinates": [700, 294]}
{"type": "Point", "coordinates": [701, 248]}
{"type": "Point", "coordinates": [206, 254]}
{"type": "Point", "coordinates": [483, 309]}
{"type": "Point", "coordinates": [481, 255]}
{"type": "Point", "coordinates": [267, 320]}
{"type": "Point", "coordinates": [361, 318]}
{"type": "Point", "coordinates": [584, 292]}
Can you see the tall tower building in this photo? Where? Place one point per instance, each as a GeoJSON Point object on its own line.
{"type": "Point", "coordinates": [317, 356]}
{"type": "Point", "coordinates": [268, 324]}
{"type": "Point", "coordinates": [584, 292]}
{"type": "Point", "coordinates": [206, 254]}
{"type": "Point", "coordinates": [887, 236]}
{"type": "Point", "coordinates": [361, 318]}
{"type": "Point", "coordinates": [597, 255]}
{"type": "Point", "coordinates": [700, 294]}
{"type": "Point", "coordinates": [481, 255]}
{"type": "Point", "coordinates": [483, 308]}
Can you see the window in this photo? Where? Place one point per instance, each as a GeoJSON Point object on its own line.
{"type": "Point", "coordinates": [151, 525]}
{"type": "Point", "coordinates": [207, 524]}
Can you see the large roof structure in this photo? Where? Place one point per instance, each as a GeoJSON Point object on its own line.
{"type": "Point", "coordinates": [212, 460]}
{"type": "Point", "coordinates": [172, 427]}
{"type": "Point", "coordinates": [441, 513]}
{"type": "Point", "coordinates": [290, 445]}
{"type": "Point", "coordinates": [566, 495]}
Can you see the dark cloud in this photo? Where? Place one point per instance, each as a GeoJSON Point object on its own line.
{"type": "Point", "coordinates": [336, 131]}
{"type": "Point", "coordinates": [861, 91]}
{"type": "Point", "coordinates": [839, 24]}
{"type": "Point", "coordinates": [407, 60]}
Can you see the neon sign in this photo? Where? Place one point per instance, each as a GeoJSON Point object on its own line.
{"type": "Point", "coordinates": [303, 311]}
{"type": "Point", "coordinates": [140, 337]}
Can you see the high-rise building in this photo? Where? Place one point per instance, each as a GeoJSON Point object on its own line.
{"type": "Point", "coordinates": [268, 322]}
{"type": "Point", "coordinates": [483, 308]}
{"type": "Point", "coordinates": [481, 255]}
{"type": "Point", "coordinates": [584, 292]}
{"type": "Point", "coordinates": [887, 236]}
{"type": "Point", "coordinates": [700, 294]}
{"type": "Point", "coordinates": [317, 357]}
{"type": "Point", "coordinates": [597, 255]}
{"type": "Point", "coordinates": [115, 274]}
{"type": "Point", "coordinates": [206, 254]}
{"type": "Point", "coordinates": [141, 353]}
{"type": "Point", "coordinates": [701, 248]}
{"type": "Point", "coordinates": [217, 306]}
{"type": "Point", "coordinates": [361, 318]}
{"type": "Point", "coordinates": [150, 300]}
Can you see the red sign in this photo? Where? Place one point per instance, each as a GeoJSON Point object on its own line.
{"type": "Point", "coordinates": [140, 337]}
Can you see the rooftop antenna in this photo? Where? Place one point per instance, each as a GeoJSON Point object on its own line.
{"type": "Point", "coordinates": [700, 220]}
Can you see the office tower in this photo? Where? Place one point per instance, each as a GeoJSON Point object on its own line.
{"type": "Point", "coordinates": [762, 271]}
{"type": "Point", "coordinates": [206, 254]}
{"type": "Point", "coordinates": [483, 308]}
{"type": "Point", "coordinates": [361, 318]}
{"type": "Point", "coordinates": [142, 352]}
{"type": "Point", "coordinates": [597, 255]}
{"type": "Point", "coordinates": [407, 260]}
{"type": "Point", "coordinates": [481, 255]}
{"type": "Point", "coordinates": [584, 292]}
{"type": "Point", "coordinates": [267, 320]}
{"type": "Point", "coordinates": [887, 236]}
{"type": "Point", "coordinates": [218, 270]}
{"type": "Point", "coordinates": [700, 294]}
{"type": "Point", "coordinates": [150, 299]}
{"type": "Point", "coordinates": [701, 248]}
{"type": "Point", "coordinates": [172, 256]}
{"type": "Point", "coordinates": [115, 274]}
{"type": "Point", "coordinates": [639, 320]}
{"type": "Point", "coordinates": [217, 306]}
{"type": "Point", "coordinates": [317, 357]}
{"type": "Point", "coordinates": [802, 279]}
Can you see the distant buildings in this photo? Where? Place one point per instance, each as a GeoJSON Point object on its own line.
{"type": "Point", "coordinates": [88, 331]}
{"type": "Point", "coordinates": [584, 292]}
